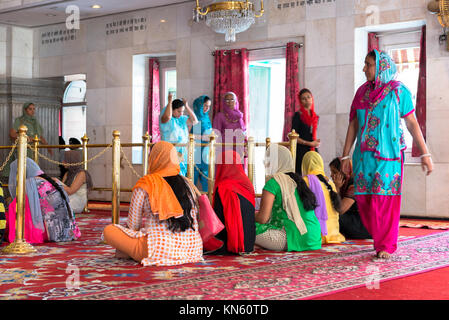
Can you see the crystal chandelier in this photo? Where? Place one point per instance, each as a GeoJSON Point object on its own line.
{"type": "Point", "coordinates": [228, 17]}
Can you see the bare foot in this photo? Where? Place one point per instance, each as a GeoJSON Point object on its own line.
{"type": "Point", "coordinates": [121, 255]}
{"type": "Point", "coordinates": [383, 255]}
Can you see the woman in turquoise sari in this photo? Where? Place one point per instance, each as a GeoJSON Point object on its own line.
{"type": "Point", "coordinates": [174, 126]}
{"type": "Point", "coordinates": [375, 120]}
{"type": "Point", "coordinates": [203, 128]}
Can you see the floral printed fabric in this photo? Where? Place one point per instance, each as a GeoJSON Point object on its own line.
{"type": "Point", "coordinates": [59, 223]}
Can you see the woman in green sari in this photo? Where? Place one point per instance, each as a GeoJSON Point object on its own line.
{"type": "Point", "coordinates": [286, 220]}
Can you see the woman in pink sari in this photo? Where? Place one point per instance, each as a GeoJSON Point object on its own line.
{"type": "Point", "coordinates": [375, 120]}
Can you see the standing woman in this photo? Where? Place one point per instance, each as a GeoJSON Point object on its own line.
{"type": "Point", "coordinates": [375, 120]}
{"type": "Point", "coordinates": [229, 122]}
{"type": "Point", "coordinates": [174, 126]}
{"type": "Point", "coordinates": [203, 128]}
{"type": "Point", "coordinates": [29, 120]}
{"type": "Point", "coordinates": [305, 123]}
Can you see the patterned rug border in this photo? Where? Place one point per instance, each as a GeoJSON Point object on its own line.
{"type": "Point", "coordinates": [300, 294]}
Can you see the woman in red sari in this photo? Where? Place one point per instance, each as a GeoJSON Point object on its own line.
{"type": "Point", "coordinates": [234, 204]}
{"type": "Point", "coordinates": [305, 123]}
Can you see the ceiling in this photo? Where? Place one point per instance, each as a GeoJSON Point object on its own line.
{"type": "Point", "coordinates": [37, 13]}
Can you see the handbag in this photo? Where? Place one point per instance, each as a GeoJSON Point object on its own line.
{"type": "Point", "coordinates": [209, 224]}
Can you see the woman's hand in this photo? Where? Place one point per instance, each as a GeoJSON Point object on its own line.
{"type": "Point", "coordinates": [345, 166]}
{"type": "Point", "coordinates": [316, 143]}
{"type": "Point", "coordinates": [339, 180]}
{"type": "Point", "coordinates": [426, 163]}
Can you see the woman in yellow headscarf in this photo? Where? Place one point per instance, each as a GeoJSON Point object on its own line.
{"type": "Point", "coordinates": [168, 202]}
{"type": "Point", "coordinates": [327, 198]}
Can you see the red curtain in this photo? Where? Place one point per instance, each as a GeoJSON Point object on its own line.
{"type": "Point", "coordinates": [154, 107]}
{"type": "Point", "coordinates": [291, 86]}
{"type": "Point", "coordinates": [373, 41]}
{"type": "Point", "coordinates": [232, 74]}
{"type": "Point", "coordinates": [421, 93]}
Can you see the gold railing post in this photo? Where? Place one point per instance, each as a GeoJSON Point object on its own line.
{"type": "Point", "coordinates": [293, 138]}
{"type": "Point", "coordinates": [20, 246]}
{"type": "Point", "coordinates": [190, 160]}
{"type": "Point", "coordinates": [211, 180]}
{"type": "Point", "coordinates": [116, 177]}
{"type": "Point", "coordinates": [251, 159]}
{"type": "Point", "coordinates": [84, 140]}
{"type": "Point", "coordinates": [267, 142]}
{"type": "Point", "coordinates": [35, 149]}
{"type": "Point", "coordinates": [146, 147]}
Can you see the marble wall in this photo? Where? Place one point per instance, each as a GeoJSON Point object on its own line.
{"type": "Point", "coordinates": [328, 67]}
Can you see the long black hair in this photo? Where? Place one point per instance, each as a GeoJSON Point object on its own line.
{"type": "Point", "coordinates": [306, 195]}
{"type": "Point", "coordinates": [186, 200]}
{"type": "Point", "coordinates": [335, 197]}
{"type": "Point", "coordinates": [61, 192]}
{"type": "Point", "coordinates": [336, 163]}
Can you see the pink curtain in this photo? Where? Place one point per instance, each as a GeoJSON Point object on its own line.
{"type": "Point", "coordinates": [421, 94]}
{"type": "Point", "coordinates": [291, 86]}
{"type": "Point", "coordinates": [154, 106]}
{"type": "Point", "coordinates": [232, 74]}
{"type": "Point", "coordinates": [373, 41]}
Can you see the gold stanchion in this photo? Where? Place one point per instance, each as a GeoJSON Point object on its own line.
{"type": "Point", "coordinates": [251, 159]}
{"type": "Point", "coordinates": [20, 246]}
{"type": "Point", "coordinates": [116, 177]}
{"type": "Point", "coordinates": [84, 140]}
{"type": "Point", "coordinates": [293, 138]}
{"type": "Point", "coordinates": [35, 146]}
{"type": "Point", "coordinates": [190, 160]}
{"type": "Point", "coordinates": [146, 147]}
{"type": "Point", "coordinates": [267, 142]}
{"type": "Point", "coordinates": [210, 181]}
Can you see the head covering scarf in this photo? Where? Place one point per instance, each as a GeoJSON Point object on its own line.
{"type": "Point", "coordinates": [32, 171]}
{"type": "Point", "coordinates": [162, 162]}
{"type": "Point", "coordinates": [76, 156]}
{"type": "Point", "coordinates": [371, 93]}
{"type": "Point", "coordinates": [281, 162]}
{"type": "Point", "coordinates": [312, 165]}
{"type": "Point", "coordinates": [310, 119]}
{"type": "Point", "coordinates": [230, 182]}
{"type": "Point", "coordinates": [203, 118]}
{"type": "Point", "coordinates": [234, 115]}
{"type": "Point", "coordinates": [34, 128]}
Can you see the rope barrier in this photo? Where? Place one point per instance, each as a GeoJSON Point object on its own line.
{"type": "Point", "coordinates": [9, 155]}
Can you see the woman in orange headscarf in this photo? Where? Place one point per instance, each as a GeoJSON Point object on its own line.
{"type": "Point", "coordinates": [168, 202]}
{"type": "Point", "coordinates": [305, 123]}
{"type": "Point", "coordinates": [234, 204]}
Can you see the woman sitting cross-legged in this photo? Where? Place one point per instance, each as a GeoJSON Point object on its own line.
{"type": "Point", "coordinates": [77, 181]}
{"type": "Point", "coordinates": [351, 225]}
{"type": "Point", "coordinates": [234, 203]}
{"type": "Point", "coordinates": [286, 220]}
{"type": "Point", "coordinates": [167, 201]}
{"type": "Point", "coordinates": [328, 200]}
{"type": "Point", "coordinates": [48, 215]}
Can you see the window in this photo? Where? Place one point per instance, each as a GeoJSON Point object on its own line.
{"type": "Point", "coordinates": [74, 109]}
{"type": "Point", "coordinates": [267, 99]}
{"type": "Point", "coordinates": [407, 62]}
{"type": "Point", "coordinates": [169, 83]}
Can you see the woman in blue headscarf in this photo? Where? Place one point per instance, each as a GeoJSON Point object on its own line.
{"type": "Point", "coordinates": [203, 128]}
{"type": "Point", "coordinates": [48, 215]}
{"type": "Point", "coordinates": [375, 120]}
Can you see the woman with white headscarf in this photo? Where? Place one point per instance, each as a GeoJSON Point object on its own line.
{"type": "Point", "coordinates": [48, 215]}
{"type": "Point", "coordinates": [286, 220]}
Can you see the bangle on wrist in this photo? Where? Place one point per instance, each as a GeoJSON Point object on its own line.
{"type": "Point", "coordinates": [345, 158]}
{"type": "Point", "coordinates": [425, 155]}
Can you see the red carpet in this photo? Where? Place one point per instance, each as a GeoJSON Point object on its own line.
{"type": "Point", "coordinates": [432, 285]}
{"type": "Point", "coordinates": [87, 269]}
